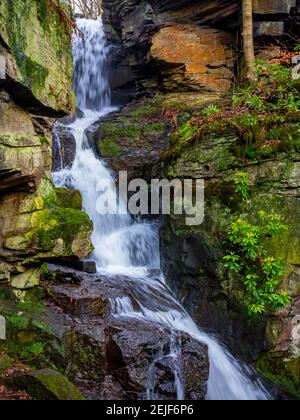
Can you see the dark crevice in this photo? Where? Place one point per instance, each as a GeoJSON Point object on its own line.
{"type": "Point", "coordinates": [24, 98]}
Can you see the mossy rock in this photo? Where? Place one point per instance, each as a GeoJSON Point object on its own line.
{"type": "Point", "coordinates": [70, 199]}
{"type": "Point", "coordinates": [46, 384]}
{"type": "Point", "coordinates": [27, 280]}
{"type": "Point", "coordinates": [53, 225]}
{"type": "Point", "coordinates": [39, 41]}
{"type": "Point", "coordinates": [109, 148]}
{"type": "Point", "coordinates": [5, 363]}
{"type": "Point", "coordinates": [5, 272]}
{"type": "Point", "coordinates": [281, 370]}
{"type": "Point", "coordinates": [34, 334]}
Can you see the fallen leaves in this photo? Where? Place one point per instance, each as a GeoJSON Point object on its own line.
{"type": "Point", "coordinates": [7, 395]}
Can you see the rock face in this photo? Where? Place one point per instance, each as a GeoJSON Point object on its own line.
{"type": "Point", "coordinates": [192, 258]}
{"type": "Point", "coordinates": [181, 46]}
{"type": "Point", "coordinates": [165, 45]}
{"type": "Point", "coordinates": [36, 45]}
{"type": "Point", "coordinates": [134, 138]}
{"type": "Point", "coordinates": [194, 58]}
{"type": "Point", "coordinates": [37, 221]}
{"type": "Point", "coordinates": [105, 356]}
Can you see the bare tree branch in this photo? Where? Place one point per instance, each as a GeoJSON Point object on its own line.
{"type": "Point", "coordinates": [88, 8]}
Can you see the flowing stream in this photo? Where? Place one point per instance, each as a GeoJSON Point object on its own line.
{"type": "Point", "coordinates": [124, 246]}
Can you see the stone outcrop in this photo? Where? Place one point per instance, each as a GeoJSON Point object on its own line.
{"type": "Point", "coordinates": [194, 58]}
{"type": "Point", "coordinates": [105, 356]}
{"type": "Point", "coordinates": [187, 47]}
{"type": "Point", "coordinates": [169, 46]}
{"type": "Point", "coordinates": [192, 258]}
{"type": "Point", "coordinates": [36, 47]}
{"type": "Point", "coordinates": [182, 45]}
{"type": "Point", "coordinates": [37, 221]}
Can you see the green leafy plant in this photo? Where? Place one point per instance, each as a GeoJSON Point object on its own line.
{"type": "Point", "coordinates": [242, 185]}
{"type": "Point", "coordinates": [210, 110]}
{"type": "Point", "coordinates": [33, 351]}
{"type": "Point", "coordinates": [260, 273]}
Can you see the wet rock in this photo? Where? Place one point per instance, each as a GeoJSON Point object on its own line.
{"type": "Point", "coordinates": [88, 267]}
{"type": "Point", "coordinates": [64, 148]}
{"type": "Point", "coordinates": [46, 384]}
{"type": "Point", "coordinates": [134, 139]}
{"type": "Point", "coordinates": [106, 356]}
{"type": "Point", "coordinates": [140, 354]}
{"type": "Point", "coordinates": [79, 301]}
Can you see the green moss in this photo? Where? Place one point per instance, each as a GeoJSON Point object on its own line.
{"type": "Point", "coordinates": [70, 199]}
{"type": "Point", "coordinates": [284, 372]}
{"type": "Point", "coordinates": [49, 226]}
{"type": "Point", "coordinates": [115, 130]}
{"type": "Point", "coordinates": [38, 36]}
{"type": "Point", "coordinates": [18, 322]}
{"type": "Point", "coordinates": [32, 351]}
{"type": "Point", "coordinates": [5, 363]}
{"type": "Point", "coordinates": [145, 111]}
{"type": "Point", "coordinates": [45, 140]}
{"type": "Point", "coordinates": [109, 148]}
{"type": "Point", "coordinates": [152, 128]}
{"type": "Point", "coordinates": [47, 384]}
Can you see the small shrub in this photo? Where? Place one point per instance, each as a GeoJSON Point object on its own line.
{"type": "Point", "coordinates": [260, 273]}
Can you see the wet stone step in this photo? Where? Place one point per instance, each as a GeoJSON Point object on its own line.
{"type": "Point", "coordinates": [79, 294]}
{"type": "Point", "coordinates": [79, 301]}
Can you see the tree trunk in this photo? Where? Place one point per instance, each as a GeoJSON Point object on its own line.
{"type": "Point", "coordinates": [248, 39]}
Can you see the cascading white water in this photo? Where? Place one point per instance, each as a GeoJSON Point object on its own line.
{"type": "Point", "coordinates": [132, 248]}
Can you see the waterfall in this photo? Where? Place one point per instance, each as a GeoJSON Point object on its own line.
{"type": "Point", "coordinates": [124, 246]}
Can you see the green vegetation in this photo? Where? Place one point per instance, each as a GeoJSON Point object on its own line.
{"type": "Point", "coordinates": [283, 372]}
{"type": "Point", "coordinates": [145, 111]}
{"type": "Point", "coordinates": [242, 185]}
{"type": "Point", "coordinates": [59, 223]}
{"type": "Point", "coordinates": [264, 115]}
{"type": "Point", "coordinates": [109, 148]}
{"type": "Point", "coordinates": [248, 258]}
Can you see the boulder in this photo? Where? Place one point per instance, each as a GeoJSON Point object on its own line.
{"type": "Point", "coordinates": [42, 225]}
{"type": "Point", "coordinates": [138, 358]}
{"type": "Point", "coordinates": [27, 280]}
{"type": "Point", "coordinates": [46, 384]}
